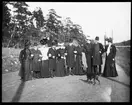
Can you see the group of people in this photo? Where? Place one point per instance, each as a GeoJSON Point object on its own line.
{"type": "Point", "coordinates": [94, 51]}
{"type": "Point", "coordinates": [58, 60]}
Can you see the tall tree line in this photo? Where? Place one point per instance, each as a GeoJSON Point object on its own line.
{"type": "Point", "coordinates": [25, 24]}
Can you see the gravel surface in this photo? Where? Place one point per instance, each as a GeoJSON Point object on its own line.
{"type": "Point", "coordinates": [65, 89]}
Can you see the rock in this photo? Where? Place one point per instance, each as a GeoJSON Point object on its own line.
{"type": "Point", "coordinates": [6, 70]}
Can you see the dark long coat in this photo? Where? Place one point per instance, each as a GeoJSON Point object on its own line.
{"type": "Point", "coordinates": [101, 51]}
{"type": "Point", "coordinates": [70, 58]}
{"type": "Point", "coordinates": [78, 61]}
{"type": "Point", "coordinates": [25, 59]}
{"type": "Point", "coordinates": [60, 64]}
{"type": "Point", "coordinates": [52, 61]}
{"type": "Point", "coordinates": [110, 68]}
{"type": "Point", "coordinates": [88, 53]}
{"type": "Point", "coordinates": [96, 60]}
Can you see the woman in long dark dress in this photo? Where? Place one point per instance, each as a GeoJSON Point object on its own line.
{"type": "Point", "coordinates": [110, 67]}
{"type": "Point", "coordinates": [60, 65]}
{"type": "Point", "coordinates": [70, 58]}
{"type": "Point", "coordinates": [52, 60]}
{"type": "Point", "coordinates": [88, 54]}
{"type": "Point", "coordinates": [36, 63]}
{"type": "Point", "coordinates": [78, 62]}
{"type": "Point", "coordinates": [25, 59]}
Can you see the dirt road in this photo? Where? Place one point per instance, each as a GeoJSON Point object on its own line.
{"type": "Point", "coordinates": [65, 89]}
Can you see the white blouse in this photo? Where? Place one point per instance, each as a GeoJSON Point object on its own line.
{"type": "Point", "coordinates": [44, 50]}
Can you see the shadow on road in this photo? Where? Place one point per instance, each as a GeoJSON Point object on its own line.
{"type": "Point", "coordinates": [85, 81]}
{"type": "Point", "coordinates": [19, 91]}
{"type": "Point", "coordinates": [118, 81]}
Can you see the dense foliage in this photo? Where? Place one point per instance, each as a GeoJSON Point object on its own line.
{"type": "Point", "coordinates": [33, 25]}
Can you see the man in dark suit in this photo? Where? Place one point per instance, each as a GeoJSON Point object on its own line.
{"type": "Point", "coordinates": [97, 51]}
{"type": "Point", "coordinates": [87, 50]}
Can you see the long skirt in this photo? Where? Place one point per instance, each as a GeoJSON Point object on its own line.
{"type": "Point", "coordinates": [45, 73]}
{"type": "Point", "coordinates": [37, 69]}
{"type": "Point", "coordinates": [60, 68]}
{"type": "Point", "coordinates": [52, 64]}
{"type": "Point", "coordinates": [25, 71]}
{"type": "Point", "coordinates": [70, 60]}
{"type": "Point", "coordinates": [110, 68]}
{"type": "Point", "coordinates": [78, 66]}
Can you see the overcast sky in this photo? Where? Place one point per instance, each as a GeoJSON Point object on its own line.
{"type": "Point", "coordinates": [96, 18]}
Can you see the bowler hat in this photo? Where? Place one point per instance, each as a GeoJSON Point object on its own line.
{"type": "Point", "coordinates": [110, 40]}
{"type": "Point", "coordinates": [96, 38]}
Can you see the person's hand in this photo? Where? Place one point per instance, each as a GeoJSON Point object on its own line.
{"type": "Point", "coordinates": [113, 59]}
{"type": "Point", "coordinates": [49, 55]}
{"type": "Point", "coordinates": [75, 51]}
{"type": "Point", "coordinates": [62, 57]}
{"type": "Point", "coordinates": [40, 55]}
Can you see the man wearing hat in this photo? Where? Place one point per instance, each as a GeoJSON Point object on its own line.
{"type": "Point", "coordinates": [97, 50]}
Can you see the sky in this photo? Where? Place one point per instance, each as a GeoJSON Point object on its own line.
{"type": "Point", "coordinates": [95, 18]}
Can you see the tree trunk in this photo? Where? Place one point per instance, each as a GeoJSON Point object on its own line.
{"type": "Point", "coordinates": [11, 36]}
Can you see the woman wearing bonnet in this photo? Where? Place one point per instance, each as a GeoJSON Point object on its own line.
{"type": "Point", "coordinates": [110, 68]}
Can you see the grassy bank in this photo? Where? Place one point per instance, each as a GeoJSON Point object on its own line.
{"type": "Point", "coordinates": [123, 59]}
{"type": "Point", "coordinates": [10, 62]}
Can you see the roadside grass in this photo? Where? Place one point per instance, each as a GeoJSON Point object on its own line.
{"type": "Point", "coordinates": [10, 61]}
{"type": "Point", "coordinates": [123, 59]}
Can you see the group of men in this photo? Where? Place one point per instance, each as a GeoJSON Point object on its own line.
{"type": "Point", "coordinates": [60, 60]}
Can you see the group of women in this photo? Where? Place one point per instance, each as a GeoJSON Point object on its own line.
{"type": "Point", "coordinates": [60, 60]}
{"type": "Point", "coordinates": [55, 61]}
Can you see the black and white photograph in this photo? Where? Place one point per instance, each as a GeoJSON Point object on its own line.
{"type": "Point", "coordinates": [66, 51]}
